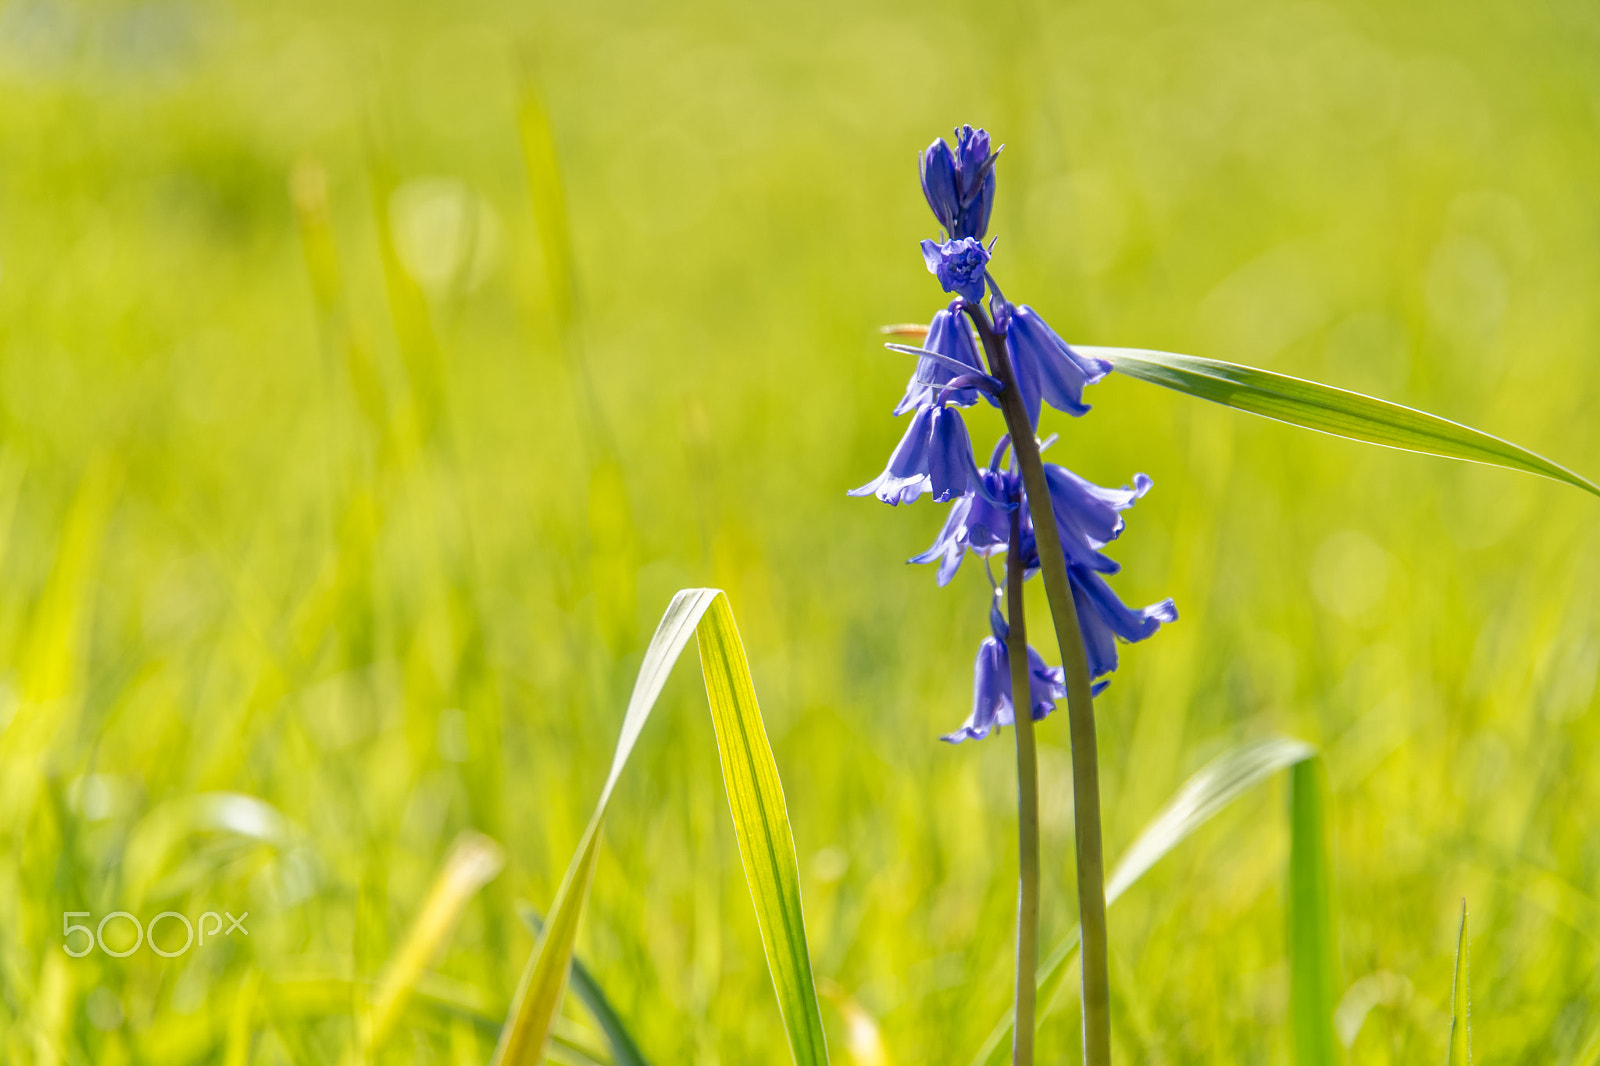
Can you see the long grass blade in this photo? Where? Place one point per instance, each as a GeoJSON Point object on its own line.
{"type": "Point", "coordinates": [1313, 943]}
{"type": "Point", "coordinates": [1213, 787]}
{"type": "Point", "coordinates": [538, 994]}
{"type": "Point", "coordinates": [624, 1049]}
{"type": "Point", "coordinates": [1460, 1049]}
{"type": "Point", "coordinates": [761, 822]}
{"type": "Point", "coordinates": [1328, 410]}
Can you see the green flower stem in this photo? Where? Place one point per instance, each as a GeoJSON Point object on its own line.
{"type": "Point", "coordinates": [1080, 712]}
{"type": "Point", "coordinates": [1027, 804]}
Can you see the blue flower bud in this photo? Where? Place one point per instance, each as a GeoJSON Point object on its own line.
{"type": "Point", "coordinates": [959, 265]}
{"type": "Point", "coordinates": [973, 162]}
{"type": "Point", "coordinates": [959, 184]}
{"type": "Point", "coordinates": [939, 183]}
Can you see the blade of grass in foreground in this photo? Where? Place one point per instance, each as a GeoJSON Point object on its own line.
{"type": "Point", "coordinates": [1216, 785]}
{"type": "Point", "coordinates": [1460, 1051]}
{"type": "Point", "coordinates": [761, 822]}
{"type": "Point", "coordinates": [1313, 943]}
{"type": "Point", "coordinates": [1328, 410]}
{"type": "Point", "coordinates": [624, 1050]}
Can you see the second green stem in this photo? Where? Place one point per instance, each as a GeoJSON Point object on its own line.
{"type": "Point", "coordinates": [1027, 802]}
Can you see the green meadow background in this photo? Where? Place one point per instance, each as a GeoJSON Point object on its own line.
{"type": "Point", "coordinates": [372, 374]}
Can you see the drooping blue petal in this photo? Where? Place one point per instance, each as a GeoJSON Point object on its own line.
{"type": "Point", "coordinates": [950, 546]}
{"type": "Point", "coordinates": [976, 523]}
{"type": "Point", "coordinates": [1046, 367]}
{"type": "Point", "coordinates": [1103, 617]}
{"type": "Point", "coordinates": [905, 476]}
{"type": "Point", "coordinates": [952, 471]}
{"type": "Point", "coordinates": [1087, 515]}
{"type": "Point", "coordinates": [991, 691]}
{"type": "Point", "coordinates": [951, 337]}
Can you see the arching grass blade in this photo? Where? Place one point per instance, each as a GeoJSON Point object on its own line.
{"type": "Point", "coordinates": [761, 823]}
{"type": "Point", "coordinates": [1313, 943]}
{"type": "Point", "coordinates": [539, 992]}
{"type": "Point", "coordinates": [1328, 410]}
{"type": "Point", "coordinates": [1213, 787]}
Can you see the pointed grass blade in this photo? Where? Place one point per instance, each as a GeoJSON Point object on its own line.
{"type": "Point", "coordinates": [539, 992]}
{"type": "Point", "coordinates": [1460, 1049]}
{"type": "Point", "coordinates": [1313, 943]}
{"type": "Point", "coordinates": [1328, 410]}
{"type": "Point", "coordinates": [624, 1049]}
{"type": "Point", "coordinates": [761, 822]}
{"type": "Point", "coordinates": [1212, 788]}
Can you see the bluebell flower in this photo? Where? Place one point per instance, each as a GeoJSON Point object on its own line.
{"type": "Point", "coordinates": [951, 337]}
{"type": "Point", "coordinates": [959, 265]}
{"type": "Point", "coordinates": [935, 455]}
{"type": "Point", "coordinates": [991, 685]}
{"type": "Point", "coordinates": [1046, 367]}
{"type": "Point", "coordinates": [959, 185]}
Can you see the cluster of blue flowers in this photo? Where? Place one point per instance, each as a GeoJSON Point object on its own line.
{"type": "Point", "coordinates": [935, 455]}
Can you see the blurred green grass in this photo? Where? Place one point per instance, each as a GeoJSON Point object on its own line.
{"type": "Point", "coordinates": [367, 553]}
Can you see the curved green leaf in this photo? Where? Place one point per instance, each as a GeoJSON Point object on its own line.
{"type": "Point", "coordinates": [760, 819]}
{"type": "Point", "coordinates": [1213, 787]}
{"type": "Point", "coordinates": [1328, 410]}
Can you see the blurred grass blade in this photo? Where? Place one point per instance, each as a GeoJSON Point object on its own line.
{"type": "Point", "coordinates": [1313, 943]}
{"type": "Point", "coordinates": [473, 862]}
{"type": "Point", "coordinates": [241, 1028]}
{"type": "Point", "coordinates": [761, 822]}
{"type": "Point", "coordinates": [624, 1050]}
{"type": "Point", "coordinates": [1328, 410]}
{"type": "Point", "coordinates": [1213, 787]}
{"type": "Point", "coordinates": [1460, 1051]}
{"type": "Point", "coordinates": [1217, 784]}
